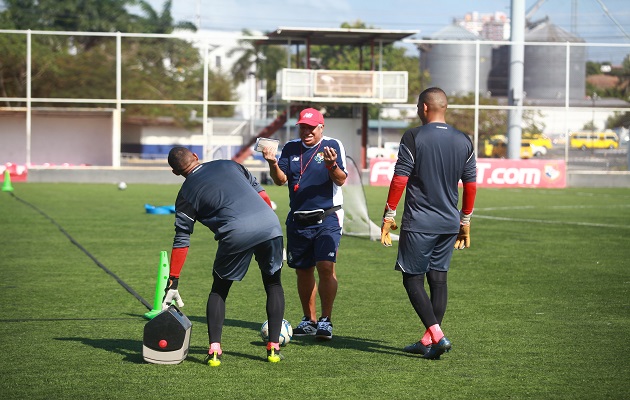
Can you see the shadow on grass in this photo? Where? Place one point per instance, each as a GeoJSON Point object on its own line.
{"type": "Point", "coordinates": [132, 349]}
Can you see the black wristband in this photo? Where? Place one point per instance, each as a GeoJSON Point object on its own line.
{"type": "Point", "coordinates": [172, 283]}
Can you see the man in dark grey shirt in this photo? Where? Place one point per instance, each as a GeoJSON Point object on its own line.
{"type": "Point", "coordinates": [226, 198]}
{"type": "Point", "coordinates": [432, 159]}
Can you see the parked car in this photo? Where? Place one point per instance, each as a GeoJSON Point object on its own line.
{"type": "Point", "coordinates": [537, 149]}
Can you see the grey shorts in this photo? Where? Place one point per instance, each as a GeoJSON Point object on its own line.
{"type": "Point", "coordinates": [233, 267]}
{"type": "Point", "coordinates": [420, 252]}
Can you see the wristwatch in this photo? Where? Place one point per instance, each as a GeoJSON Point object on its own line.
{"type": "Point", "coordinates": [332, 167]}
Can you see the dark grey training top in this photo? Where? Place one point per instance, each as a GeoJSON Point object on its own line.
{"type": "Point", "coordinates": [435, 157]}
{"type": "Point", "coordinates": [223, 195]}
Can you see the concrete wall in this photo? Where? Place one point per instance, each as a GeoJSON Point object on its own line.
{"type": "Point", "coordinates": [598, 179]}
{"type": "Point", "coordinates": [58, 137]}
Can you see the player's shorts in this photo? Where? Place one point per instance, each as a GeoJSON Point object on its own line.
{"type": "Point", "coordinates": [307, 246]}
{"type": "Point", "coordinates": [420, 252]}
{"type": "Point", "coordinates": [233, 267]}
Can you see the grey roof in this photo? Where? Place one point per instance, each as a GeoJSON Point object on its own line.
{"type": "Point", "coordinates": [335, 36]}
{"type": "Point", "coordinates": [454, 32]}
{"type": "Point", "coordinates": [548, 32]}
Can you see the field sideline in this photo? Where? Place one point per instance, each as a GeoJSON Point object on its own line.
{"type": "Point", "coordinates": [539, 306]}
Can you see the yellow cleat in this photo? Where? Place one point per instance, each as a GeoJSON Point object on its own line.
{"type": "Point", "coordinates": [213, 360]}
{"type": "Point", "coordinates": [274, 355]}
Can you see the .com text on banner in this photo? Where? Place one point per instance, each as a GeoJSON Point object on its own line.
{"type": "Point", "coordinates": [492, 173]}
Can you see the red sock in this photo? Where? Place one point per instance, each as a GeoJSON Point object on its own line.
{"type": "Point", "coordinates": [426, 339]}
{"type": "Point", "coordinates": [216, 346]}
{"type": "Point", "coordinates": [274, 345]}
{"type": "Point", "coordinates": [436, 333]}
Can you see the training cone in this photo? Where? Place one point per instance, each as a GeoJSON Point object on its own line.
{"type": "Point", "coordinates": [6, 186]}
{"type": "Point", "coordinates": [160, 285]}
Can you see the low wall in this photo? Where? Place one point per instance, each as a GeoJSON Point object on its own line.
{"type": "Point", "coordinates": [164, 175]}
{"type": "Point", "coordinates": [598, 179]}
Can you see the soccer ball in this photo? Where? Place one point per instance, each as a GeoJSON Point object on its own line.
{"type": "Point", "coordinates": [286, 332]}
{"type": "Point", "coordinates": [122, 186]}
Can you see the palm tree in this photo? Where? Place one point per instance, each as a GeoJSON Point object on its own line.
{"type": "Point", "coordinates": [258, 58]}
{"type": "Point", "coordinates": [153, 22]}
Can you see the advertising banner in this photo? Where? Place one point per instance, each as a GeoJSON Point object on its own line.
{"type": "Point", "coordinates": [18, 173]}
{"type": "Point", "coordinates": [492, 172]}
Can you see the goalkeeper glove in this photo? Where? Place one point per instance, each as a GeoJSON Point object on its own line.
{"type": "Point", "coordinates": [388, 224]}
{"type": "Point", "coordinates": [463, 237]}
{"type": "Point", "coordinates": [171, 293]}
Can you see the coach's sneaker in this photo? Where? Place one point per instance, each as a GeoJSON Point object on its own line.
{"type": "Point", "coordinates": [324, 329]}
{"type": "Point", "coordinates": [417, 348]}
{"type": "Point", "coordinates": [305, 328]}
{"type": "Point", "coordinates": [437, 349]}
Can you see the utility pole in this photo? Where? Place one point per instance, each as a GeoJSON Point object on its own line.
{"type": "Point", "coordinates": [515, 90]}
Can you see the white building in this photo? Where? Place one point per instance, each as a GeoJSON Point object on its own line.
{"type": "Point", "coordinates": [218, 44]}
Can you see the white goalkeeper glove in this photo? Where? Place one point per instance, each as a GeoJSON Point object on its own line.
{"type": "Point", "coordinates": [171, 294]}
{"type": "Point", "coordinates": [388, 224]}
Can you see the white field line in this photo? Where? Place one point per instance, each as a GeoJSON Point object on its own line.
{"type": "Point", "coordinates": [550, 207]}
{"type": "Point", "coordinates": [544, 221]}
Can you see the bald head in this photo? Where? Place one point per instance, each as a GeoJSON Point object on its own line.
{"type": "Point", "coordinates": [432, 105]}
{"type": "Point", "coordinates": [181, 160]}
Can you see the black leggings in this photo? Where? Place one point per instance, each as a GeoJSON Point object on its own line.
{"type": "Point", "coordinates": [215, 309]}
{"type": "Point", "coordinates": [431, 311]}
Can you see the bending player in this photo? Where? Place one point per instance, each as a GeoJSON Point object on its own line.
{"type": "Point", "coordinates": [227, 199]}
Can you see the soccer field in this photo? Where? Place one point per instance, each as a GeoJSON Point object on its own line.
{"type": "Point", "coordinates": [539, 306]}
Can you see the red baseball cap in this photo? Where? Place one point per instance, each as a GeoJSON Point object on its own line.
{"type": "Point", "coordinates": [311, 116]}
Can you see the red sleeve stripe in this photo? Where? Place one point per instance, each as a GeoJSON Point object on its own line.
{"type": "Point", "coordinates": [265, 197]}
{"type": "Point", "coordinates": [396, 189]}
{"type": "Point", "coordinates": [468, 201]}
{"type": "Point", "coordinates": [178, 257]}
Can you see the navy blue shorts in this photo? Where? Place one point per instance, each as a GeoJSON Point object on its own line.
{"type": "Point", "coordinates": [420, 252]}
{"type": "Point", "coordinates": [233, 267]}
{"type": "Point", "coordinates": [307, 246]}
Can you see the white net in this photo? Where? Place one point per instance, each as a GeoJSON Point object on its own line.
{"type": "Point", "coordinates": [356, 219]}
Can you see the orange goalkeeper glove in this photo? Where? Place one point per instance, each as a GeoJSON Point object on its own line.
{"type": "Point", "coordinates": [463, 237]}
{"type": "Point", "coordinates": [388, 224]}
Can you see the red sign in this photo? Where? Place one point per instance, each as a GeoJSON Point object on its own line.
{"type": "Point", "coordinates": [18, 173]}
{"type": "Point", "coordinates": [492, 173]}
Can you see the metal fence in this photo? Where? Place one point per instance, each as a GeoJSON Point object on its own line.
{"type": "Point", "coordinates": [554, 83]}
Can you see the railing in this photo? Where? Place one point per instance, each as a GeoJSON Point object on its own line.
{"type": "Point", "coordinates": [372, 87]}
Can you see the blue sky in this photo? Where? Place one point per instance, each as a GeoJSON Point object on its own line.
{"type": "Point", "coordinates": [593, 25]}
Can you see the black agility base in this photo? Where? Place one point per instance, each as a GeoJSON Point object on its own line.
{"type": "Point", "coordinates": [167, 337]}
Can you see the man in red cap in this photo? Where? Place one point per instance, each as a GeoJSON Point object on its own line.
{"type": "Point", "coordinates": [314, 168]}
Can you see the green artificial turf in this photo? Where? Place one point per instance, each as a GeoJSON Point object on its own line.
{"type": "Point", "coordinates": [539, 306]}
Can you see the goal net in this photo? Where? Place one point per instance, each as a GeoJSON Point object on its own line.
{"type": "Point", "coordinates": [356, 219]}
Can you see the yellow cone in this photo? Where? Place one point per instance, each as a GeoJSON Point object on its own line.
{"type": "Point", "coordinates": [6, 186]}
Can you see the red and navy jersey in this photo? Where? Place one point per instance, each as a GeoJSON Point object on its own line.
{"type": "Point", "coordinates": [435, 157]}
{"type": "Point", "coordinates": [304, 167]}
{"type": "Point", "coordinates": [223, 195]}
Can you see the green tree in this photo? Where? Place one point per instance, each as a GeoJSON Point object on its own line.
{"type": "Point", "coordinates": [491, 122]}
{"type": "Point", "coordinates": [221, 86]}
{"type": "Point", "coordinates": [83, 66]}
